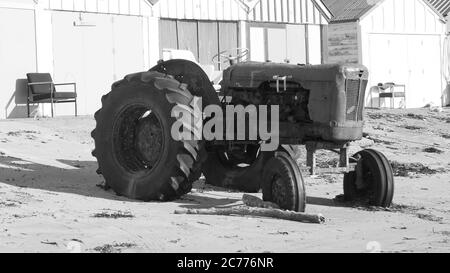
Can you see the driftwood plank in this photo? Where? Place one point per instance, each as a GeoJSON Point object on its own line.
{"type": "Point", "coordinates": [258, 212]}
{"type": "Point", "coordinates": [255, 202]}
{"type": "Point", "coordinates": [255, 207]}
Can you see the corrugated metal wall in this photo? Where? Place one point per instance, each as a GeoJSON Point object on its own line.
{"type": "Point", "coordinates": [282, 11]}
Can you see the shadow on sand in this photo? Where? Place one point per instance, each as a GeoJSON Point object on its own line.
{"type": "Point", "coordinates": [81, 179]}
{"type": "Point", "coordinates": [327, 202]}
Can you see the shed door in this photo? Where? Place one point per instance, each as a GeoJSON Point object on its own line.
{"type": "Point", "coordinates": [296, 44]}
{"type": "Point", "coordinates": [425, 70]}
{"type": "Point", "coordinates": [95, 53]}
{"type": "Point", "coordinates": [203, 38]}
{"type": "Point", "coordinates": [207, 33]}
{"type": "Point", "coordinates": [257, 41]}
{"type": "Point", "coordinates": [228, 38]}
{"type": "Point", "coordinates": [412, 60]}
{"type": "Point", "coordinates": [168, 34]}
{"type": "Point", "coordinates": [188, 37]}
{"type": "Point", "coordinates": [276, 45]}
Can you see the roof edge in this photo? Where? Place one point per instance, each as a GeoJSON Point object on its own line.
{"type": "Point", "coordinates": [322, 7]}
{"type": "Point", "coordinates": [370, 10]}
{"type": "Point", "coordinates": [435, 10]}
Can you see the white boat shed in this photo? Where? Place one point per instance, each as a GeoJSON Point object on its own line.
{"type": "Point", "coordinates": [96, 42]}
{"type": "Point", "coordinates": [400, 41]}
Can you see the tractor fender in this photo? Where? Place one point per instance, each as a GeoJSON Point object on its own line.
{"type": "Point", "coordinates": [191, 74]}
{"type": "Point", "coordinates": [287, 149]}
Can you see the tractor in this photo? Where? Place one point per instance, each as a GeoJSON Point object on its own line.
{"type": "Point", "coordinates": [321, 107]}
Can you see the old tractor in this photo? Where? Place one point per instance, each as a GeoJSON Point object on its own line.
{"type": "Point", "coordinates": [321, 108]}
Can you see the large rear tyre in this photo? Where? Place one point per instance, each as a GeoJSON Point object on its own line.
{"type": "Point", "coordinates": [283, 183]}
{"type": "Point", "coordinates": [372, 183]}
{"type": "Point", "coordinates": [137, 154]}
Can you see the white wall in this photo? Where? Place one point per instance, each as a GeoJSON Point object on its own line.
{"type": "Point", "coordinates": [17, 57]}
{"type": "Point", "coordinates": [401, 41]}
{"type": "Point", "coordinates": [18, 4]}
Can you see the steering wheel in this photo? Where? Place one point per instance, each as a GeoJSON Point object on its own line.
{"type": "Point", "coordinates": [231, 56]}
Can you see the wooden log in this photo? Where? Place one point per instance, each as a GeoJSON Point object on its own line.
{"type": "Point", "coordinates": [255, 202]}
{"type": "Point", "coordinates": [258, 212]}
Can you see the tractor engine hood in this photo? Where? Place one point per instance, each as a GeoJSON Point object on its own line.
{"type": "Point", "coordinates": [253, 74]}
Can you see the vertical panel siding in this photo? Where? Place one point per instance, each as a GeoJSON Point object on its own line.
{"type": "Point", "coordinates": [403, 16]}
{"type": "Point", "coordinates": [127, 7]}
{"type": "Point", "coordinates": [280, 11]}
{"type": "Point", "coordinates": [277, 11]}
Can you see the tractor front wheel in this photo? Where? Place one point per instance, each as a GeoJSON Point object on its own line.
{"type": "Point", "coordinates": [283, 183]}
{"type": "Point", "coordinates": [373, 181]}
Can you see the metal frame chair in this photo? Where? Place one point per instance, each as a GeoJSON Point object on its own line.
{"type": "Point", "coordinates": [392, 94]}
{"type": "Point", "coordinates": [39, 93]}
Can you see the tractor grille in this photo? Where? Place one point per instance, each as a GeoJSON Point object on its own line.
{"type": "Point", "coordinates": [355, 99]}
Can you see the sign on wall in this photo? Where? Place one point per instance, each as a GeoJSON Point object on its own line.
{"type": "Point", "coordinates": [343, 43]}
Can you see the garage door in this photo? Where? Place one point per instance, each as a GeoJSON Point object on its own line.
{"type": "Point", "coordinates": [17, 57]}
{"type": "Point", "coordinates": [412, 60]}
{"type": "Point", "coordinates": [203, 38]}
{"type": "Point", "coordinates": [94, 51]}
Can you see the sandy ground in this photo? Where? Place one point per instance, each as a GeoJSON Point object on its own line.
{"type": "Point", "coordinates": [50, 201]}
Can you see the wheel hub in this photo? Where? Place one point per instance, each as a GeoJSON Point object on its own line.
{"type": "Point", "coordinates": [278, 191]}
{"type": "Point", "coordinates": [138, 138]}
{"type": "Point", "coordinates": [149, 140]}
{"type": "Point", "coordinates": [365, 182]}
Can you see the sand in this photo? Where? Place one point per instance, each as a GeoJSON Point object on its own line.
{"type": "Point", "coordinates": [50, 201]}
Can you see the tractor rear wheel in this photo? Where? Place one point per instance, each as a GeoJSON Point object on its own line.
{"type": "Point", "coordinates": [137, 154]}
{"type": "Point", "coordinates": [373, 181]}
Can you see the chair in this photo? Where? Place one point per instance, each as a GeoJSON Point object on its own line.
{"type": "Point", "coordinates": [41, 89]}
{"type": "Point", "coordinates": [388, 91]}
